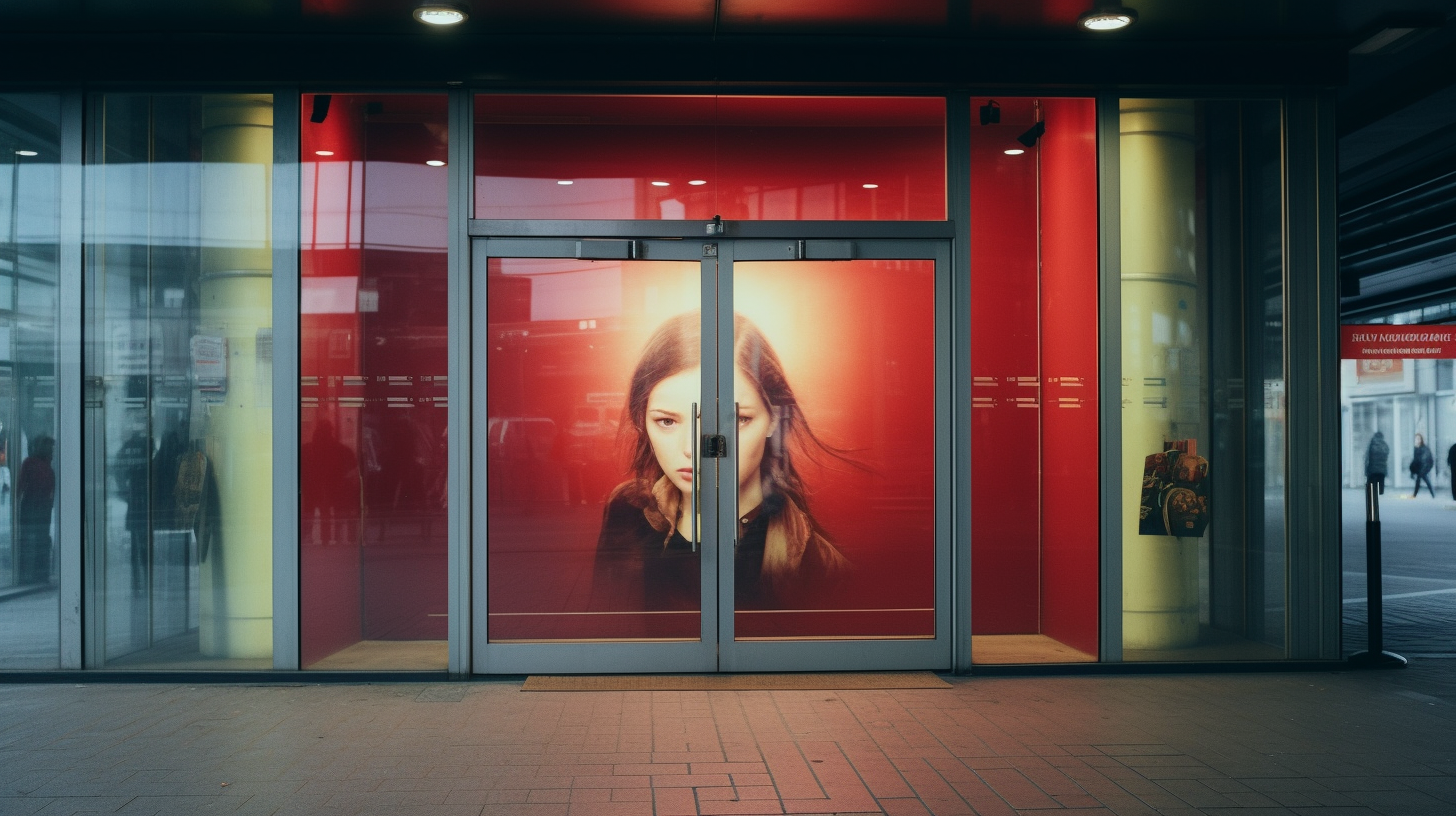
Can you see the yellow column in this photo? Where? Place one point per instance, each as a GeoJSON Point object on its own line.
{"type": "Point", "coordinates": [237, 304]}
{"type": "Point", "coordinates": [1163, 343]}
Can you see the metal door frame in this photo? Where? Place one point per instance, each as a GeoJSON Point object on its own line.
{"type": "Point", "coordinates": [717, 247]}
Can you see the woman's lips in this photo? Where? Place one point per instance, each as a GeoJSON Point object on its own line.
{"type": "Point", "coordinates": [686, 474]}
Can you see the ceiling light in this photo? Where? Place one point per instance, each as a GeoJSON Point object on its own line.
{"type": "Point", "coordinates": [566, 182]}
{"type": "Point", "coordinates": [435, 163]}
{"type": "Point", "coordinates": [1107, 16]}
{"type": "Point", "coordinates": [697, 182]}
{"type": "Point", "coordinates": [870, 186]}
{"type": "Point", "coordinates": [323, 152]}
{"type": "Point", "coordinates": [442, 13]}
{"type": "Point", "coordinates": [1015, 151]}
{"type": "Point", "coordinates": [660, 184]}
{"type": "Point", "coordinates": [26, 153]}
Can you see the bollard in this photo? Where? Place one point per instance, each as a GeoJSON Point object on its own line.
{"type": "Point", "coordinates": [1374, 656]}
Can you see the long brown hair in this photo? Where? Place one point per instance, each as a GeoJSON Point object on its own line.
{"type": "Point", "coordinates": [676, 346]}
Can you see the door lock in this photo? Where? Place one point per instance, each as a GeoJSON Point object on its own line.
{"type": "Point", "coordinates": [715, 446]}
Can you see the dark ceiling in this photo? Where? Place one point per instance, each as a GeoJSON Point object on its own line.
{"type": "Point", "coordinates": [1396, 116]}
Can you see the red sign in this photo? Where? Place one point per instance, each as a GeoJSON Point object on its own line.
{"type": "Point", "coordinates": [1382, 342]}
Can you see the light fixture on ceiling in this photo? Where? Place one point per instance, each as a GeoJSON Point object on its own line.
{"type": "Point", "coordinates": [565, 182]}
{"type": "Point", "coordinates": [1015, 151]}
{"type": "Point", "coordinates": [697, 182]}
{"type": "Point", "coordinates": [1107, 16]}
{"type": "Point", "coordinates": [26, 153]}
{"type": "Point", "coordinates": [435, 12]}
{"type": "Point", "coordinates": [661, 183]}
{"type": "Point", "coordinates": [435, 163]}
{"type": "Point", "coordinates": [323, 152]}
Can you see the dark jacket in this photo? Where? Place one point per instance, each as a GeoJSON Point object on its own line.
{"type": "Point", "coordinates": [1377, 456]}
{"type": "Point", "coordinates": [1422, 461]}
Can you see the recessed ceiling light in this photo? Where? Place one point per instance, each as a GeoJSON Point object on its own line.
{"type": "Point", "coordinates": [697, 182]}
{"type": "Point", "coordinates": [26, 153]}
{"type": "Point", "coordinates": [870, 186]}
{"type": "Point", "coordinates": [442, 13]}
{"type": "Point", "coordinates": [1107, 16]}
{"type": "Point", "coordinates": [435, 163]}
{"type": "Point", "coordinates": [1015, 151]}
{"type": "Point", "coordinates": [660, 183]}
{"type": "Point", "coordinates": [566, 182]}
{"type": "Point", "coordinates": [323, 152]}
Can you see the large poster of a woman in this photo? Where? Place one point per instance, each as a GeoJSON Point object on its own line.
{"type": "Point", "coordinates": [594, 371]}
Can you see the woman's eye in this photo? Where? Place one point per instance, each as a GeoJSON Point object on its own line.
{"type": "Point", "coordinates": [744, 420]}
{"type": "Point", "coordinates": [665, 422]}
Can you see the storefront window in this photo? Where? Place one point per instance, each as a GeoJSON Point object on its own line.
{"type": "Point", "coordinates": [696, 157]}
{"type": "Point", "coordinates": [29, 273]}
{"type": "Point", "coordinates": [1034, 377]}
{"type": "Point", "coordinates": [179, 360]}
{"type": "Point", "coordinates": [373, 365]}
{"type": "Point", "coordinates": [1203, 548]}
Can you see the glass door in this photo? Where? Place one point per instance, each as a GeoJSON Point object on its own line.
{"type": "Point", "coordinates": [701, 456]}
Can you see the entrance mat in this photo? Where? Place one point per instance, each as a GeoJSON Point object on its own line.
{"type": "Point", "coordinates": [825, 681]}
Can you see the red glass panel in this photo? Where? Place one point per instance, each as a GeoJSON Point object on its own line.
{"type": "Point", "coordinates": [744, 158]}
{"type": "Point", "coordinates": [1034, 432]}
{"type": "Point", "coordinates": [837, 518]}
{"type": "Point", "coordinates": [373, 363]}
{"type": "Point", "coordinates": [573, 551]}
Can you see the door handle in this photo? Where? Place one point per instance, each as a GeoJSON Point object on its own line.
{"type": "Point", "coordinates": [697, 481]}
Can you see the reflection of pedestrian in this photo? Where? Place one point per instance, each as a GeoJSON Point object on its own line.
{"type": "Point", "coordinates": [1377, 459]}
{"type": "Point", "coordinates": [35, 493]}
{"type": "Point", "coordinates": [1420, 466]}
{"type": "Point", "coordinates": [1451, 468]}
{"type": "Point", "coordinates": [330, 473]}
{"type": "Point", "coordinates": [133, 462]}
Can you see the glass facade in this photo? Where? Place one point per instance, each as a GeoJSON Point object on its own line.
{"type": "Point", "coordinates": [30, 204]}
{"type": "Point", "coordinates": [1054, 429]}
{"type": "Point", "coordinates": [373, 381]}
{"type": "Point", "coordinates": [1203, 402]}
{"type": "Point", "coordinates": [178, 363]}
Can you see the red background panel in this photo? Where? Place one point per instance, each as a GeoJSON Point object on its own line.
{"type": "Point", "coordinates": [1071, 525]}
{"type": "Point", "coordinates": [1005, 367]}
{"type": "Point", "coordinates": [1034, 438]}
{"type": "Point", "coordinates": [760, 158]}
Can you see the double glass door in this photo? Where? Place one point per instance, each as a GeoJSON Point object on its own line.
{"type": "Point", "coordinates": [709, 455]}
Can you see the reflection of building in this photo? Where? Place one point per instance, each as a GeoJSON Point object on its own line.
{"type": "Point", "coordinates": [1400, 398]}
{"type": "Point", "coordinates": [340, 369]}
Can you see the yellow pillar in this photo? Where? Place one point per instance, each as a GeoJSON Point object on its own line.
{"type": "Point", "coordinates": [237, 304]}
{"type": "Point", "coordinates": [1163, 343]}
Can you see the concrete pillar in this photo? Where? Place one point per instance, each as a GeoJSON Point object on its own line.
{"type": "Point", "coordinates": [237, 304]}
{"type": "Point", "coordinates": [1163, 345]}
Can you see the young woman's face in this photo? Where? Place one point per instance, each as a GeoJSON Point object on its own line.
{"type": "Point", "coordinates": [669, 427]}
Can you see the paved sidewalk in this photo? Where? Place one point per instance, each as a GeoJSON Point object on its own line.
{"type": "Point", "coordinates": [1291, 743]}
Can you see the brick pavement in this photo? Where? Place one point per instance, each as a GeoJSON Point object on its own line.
{"type": "Point", "coordinates": [1289, 743]}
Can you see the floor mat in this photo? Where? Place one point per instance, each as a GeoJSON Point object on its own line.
{"type": "Point", "coordinates": [825, 681]}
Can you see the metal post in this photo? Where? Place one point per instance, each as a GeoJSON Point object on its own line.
{"type": "Point", "coordinates": [1375, 656]}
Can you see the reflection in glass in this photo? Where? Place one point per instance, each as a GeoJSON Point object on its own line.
{"type": "Point", "coordinates": [696, 157]}
{"type": "Point", "coordinates": [179, 352]}
{"type": "Point", "coordinates": [594, 374]}
{"type": "Point", "coordinates": [373, 332]}
{"type": "Point", "coordinates": [1203, 420]}
{"type": "Point", "coordinates": [29, 272]}
{"type": "Point", "coordinates": [836, 445]}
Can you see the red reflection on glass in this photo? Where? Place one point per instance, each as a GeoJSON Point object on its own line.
{"type": "Point", "coordinates": [373, 329]}
{"type": "Point", "coordinates": [744, 158]}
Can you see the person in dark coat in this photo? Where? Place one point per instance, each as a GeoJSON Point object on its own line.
{"type": "Point", "coordinates": [35, 493]}
{"type": "Point", "coordinates": [1451, 468]}
{"type": "Point", "coordinates": [1420, 467]}
{"type": "Point", "coordinates": [1377, 460]}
